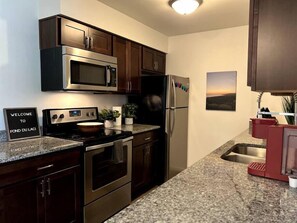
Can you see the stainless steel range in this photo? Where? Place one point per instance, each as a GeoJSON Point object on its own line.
{"type": "Point", "coordinates": [107, 160]}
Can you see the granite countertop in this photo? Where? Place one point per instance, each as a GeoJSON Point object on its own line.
{"type": "Point", "coordinates": [136, 128]}
{"type": "Point", "coordinates": [18, 150]}
{"type": "Point", "coordinates": [215, 190]}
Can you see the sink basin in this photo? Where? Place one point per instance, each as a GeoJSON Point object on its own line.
{"type": "Point", "coordinates": [245, 153]}
{"type": "Point", "coordinates": [249, 150]}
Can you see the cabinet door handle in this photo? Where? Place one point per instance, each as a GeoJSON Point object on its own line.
{"type": "Point", "coordinates": [91, 42]}
{"type": "Point", "coordinates": [42, 188]}
{"type": "Point", "coordinates": [45, 167]}
{"type": "Point", "coordinates": [130, 86]}
{"type": "Point", "coordinates": [148, 138]}
{"type": "Point", "coordinates": [48, 186]}
{"type": "Point", "coordinates": [87, 42]}
{"type": "Point", "coordinates": [156, 65]}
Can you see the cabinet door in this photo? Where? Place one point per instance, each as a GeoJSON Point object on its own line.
{"type": "Point", "coordinates": [147, 59]}
{"type": "Point", "coordinates": [62, 196]}
{"type": "Point", "coordinates": [138, 167]}
{"type": "Point", "coordinates": [160, 61]}
{"type": "Point", "coordinates": [143, 168]}
{"type": "Point", "coordinates": [153, 61]}
{"type": "Point", "coordinates": [120, 50]}
{"type": "Point", "coordinates": [274, 54]}
{"type": "Point", "coordinates": [253, 35]}
{"type": "Point", "coordinates": [135, 67]}
{"type": "Point", "coordinates": [73, 34]}
{"type": "Point", "coordinates": [100, 41]}
{"type": "Point", "coordinates": [18, 203]}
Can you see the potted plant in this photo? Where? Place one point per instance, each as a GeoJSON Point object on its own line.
{"type": "Point", "coordinates": [288, 104]}
{"type": "Point", "coordinates": [108, 116]}
{"type": "Point", "coordinates": [129, 112]}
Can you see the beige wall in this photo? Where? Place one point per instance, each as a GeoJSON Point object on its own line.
{"type": "Point", "coordinates": [100, 15]}
{"type": "Point", "coordinates": [194, 55]}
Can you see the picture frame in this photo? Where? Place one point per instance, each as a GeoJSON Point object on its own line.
{"type": "Point", "coordinates": [21, 123]}
{"type": "Point", "coordinates": [221, 91]}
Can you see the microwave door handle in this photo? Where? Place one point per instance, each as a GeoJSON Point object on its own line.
{"type": "Point", "coordinates": [107, 75]}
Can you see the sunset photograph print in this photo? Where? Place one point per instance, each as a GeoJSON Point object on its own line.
{"type": "Point", "coordinates": [221, 91]}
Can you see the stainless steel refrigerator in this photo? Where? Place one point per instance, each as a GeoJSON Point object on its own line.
{"type": "Point", "coordinates": [164, 101]}
{"type": "Point", "coordinates": [176, 124]}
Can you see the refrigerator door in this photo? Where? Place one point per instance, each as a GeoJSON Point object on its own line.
{"type": "Point", "coordinates": [177, 140]}
{"type": "Point", "coordinates": [177, 95]}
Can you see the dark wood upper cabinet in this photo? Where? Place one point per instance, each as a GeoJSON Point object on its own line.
{"type": "Point", "coordinates": [129, 64]}
{"type": "Point", "coordinates": [135, 67]}
{"type": "Point", "coordinates": [100, 41]}
{"type": "Point", "coordinates": [153, 61]}
{"type": "Point", "coordinates": [73, 33]}
{"type": "Point", "coordinates": [57, 30]}
{"type": "Point", "coordinates": [272, 50]}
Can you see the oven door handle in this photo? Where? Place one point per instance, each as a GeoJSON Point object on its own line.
{"type": "Point", "coordinates": [100, 146]}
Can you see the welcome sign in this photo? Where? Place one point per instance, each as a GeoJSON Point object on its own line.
{"type": "Point", "coordinates": [21, 123]}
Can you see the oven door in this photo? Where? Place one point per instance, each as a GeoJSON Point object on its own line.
{"type": "Point", "coordinates": [80, 73]}
{"type": "Point", "coordinates": [107, 167]}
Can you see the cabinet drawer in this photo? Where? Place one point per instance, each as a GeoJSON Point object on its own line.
{"type": "Point", "coordinates": [38, 166]}
{"type": "Point", "coordinates": [145, 137]}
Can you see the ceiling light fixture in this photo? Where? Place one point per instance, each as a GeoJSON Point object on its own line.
{"type": "Point", "coordinates": [185, 7]}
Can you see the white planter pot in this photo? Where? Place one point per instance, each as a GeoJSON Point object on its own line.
{"type": "Point", "coordinates": [108, 124]}
{"type": "Point", "coordinates": [129, 121]}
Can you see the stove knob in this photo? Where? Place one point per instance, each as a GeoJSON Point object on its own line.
{"type": "Point", "coordinates": [88, 114]}
{"type": "Point", "coordinates": [93, 114]}
{"type": "Point", "coordinates": [61, 116]}
{"type": "Point", "coordinates": [55, 116]}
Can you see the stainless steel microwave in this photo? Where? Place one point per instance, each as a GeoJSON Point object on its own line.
{"type": "Point", "coordinates": [72, 69]}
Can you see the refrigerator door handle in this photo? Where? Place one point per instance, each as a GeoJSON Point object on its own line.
{"type": "Point", "coordinates": [172, 121]}
{"type": "Point", "coordinates": [174, 93]}
{"type": "Point", "coordinates": [172, 109]}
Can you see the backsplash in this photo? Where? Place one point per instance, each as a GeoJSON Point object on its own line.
{"type": "Point", "coordinates": [3, 136]}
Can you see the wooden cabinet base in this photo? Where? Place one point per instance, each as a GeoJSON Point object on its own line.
{"type": "Point", "coordinates": [144, 171]}
{"type": "Point", "coordinates": [51, 198]}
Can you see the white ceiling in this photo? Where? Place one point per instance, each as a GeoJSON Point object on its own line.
{"type": "Point", "coordinates": [157, 14]}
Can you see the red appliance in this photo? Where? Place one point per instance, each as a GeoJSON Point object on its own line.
{"type": "Point", "coordinates": [281, 149]}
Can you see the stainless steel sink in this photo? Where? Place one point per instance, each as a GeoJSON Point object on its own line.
{"type": "Point", "coordinates": [245, 153]}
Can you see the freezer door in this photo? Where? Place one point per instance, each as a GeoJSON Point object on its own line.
{"type": "Point", "coordinates": [177, 140]}
{"type": "Point", "coordinates": [177, 92]}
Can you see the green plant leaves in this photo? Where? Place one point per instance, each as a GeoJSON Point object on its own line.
{"type": "Point", "coordinates": [288, 104]}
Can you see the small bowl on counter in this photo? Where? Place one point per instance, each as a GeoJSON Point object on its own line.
{"type": "Point", "coordinates": [90, 127]}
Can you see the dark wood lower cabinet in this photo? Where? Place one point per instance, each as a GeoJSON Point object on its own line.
{"type": "Point", "coordinates": [45, 197]}
{"type": "Point", "coordinates": [50, 199]}
{"type": "Point", "coordinates": [19, 203]}
{"type": "Point", "coordinates": [62, 193]}
{"type": "Point", "coordinates": [144, 163]}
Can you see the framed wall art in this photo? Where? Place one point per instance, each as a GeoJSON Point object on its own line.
{"type": "Point", "coordinates": [221, 91]}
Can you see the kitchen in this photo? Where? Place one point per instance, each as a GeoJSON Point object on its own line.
{"type": "Point", "coordinates": [217, 50]}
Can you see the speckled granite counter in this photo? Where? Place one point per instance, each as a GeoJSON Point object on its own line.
{"type": "Point", "coordinates": [215, 190]}
{"type": "Point", "coordinates": [17, 150]}
{"type": "Point", "coordinates": [136, 128]}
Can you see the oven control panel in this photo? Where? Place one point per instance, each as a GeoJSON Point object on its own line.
{"type": "Point", "coordinates": [73, 115]}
